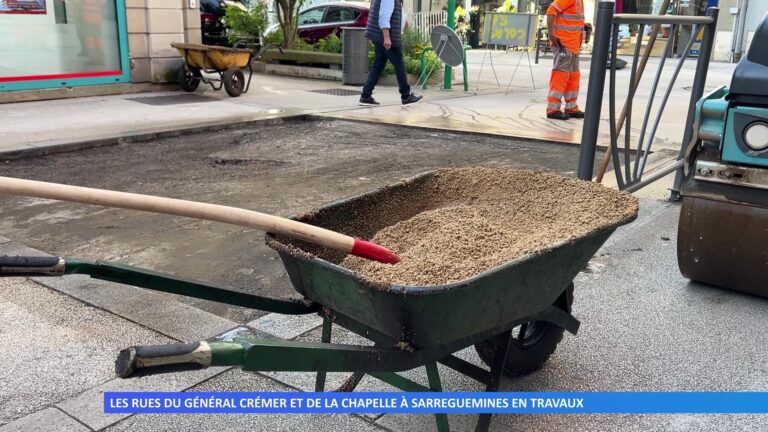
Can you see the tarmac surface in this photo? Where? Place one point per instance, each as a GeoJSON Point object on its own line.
{"type": "Point", "coordinates": [644, 326]}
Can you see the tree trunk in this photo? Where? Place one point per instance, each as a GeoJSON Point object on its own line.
{"type": "Point", "coordinates": [287, 15]}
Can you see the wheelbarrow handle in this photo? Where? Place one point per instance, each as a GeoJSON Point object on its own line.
{"type": "Point", "coordinates": [154, 359]}
{"type": "Point", "coordinates": [205, 211]}
{"type": "Point", "coordinates": [31, 266]}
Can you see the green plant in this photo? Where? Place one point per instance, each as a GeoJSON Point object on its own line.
{"type": "Point", "coordinates": [412, 62]}
{"type": "Point", "coordinates": [302, 45]}
{"type": "Point", "coordinates": [276, 37]}
{"type": "Point", "coordinates": [413, 42]}
{"type": "Point", "coordinates": [433, 64]}
{"type": "Point", "coordinates": [460, 14]}
{"type": "Point", "coordinates": [246, 24]}
{"type": "Point", "coordinates": [507, 7]}
{"type": "Point", "coordinates": [330, 44]}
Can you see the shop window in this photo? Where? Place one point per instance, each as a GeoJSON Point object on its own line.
{"type": "Point", "coordinates": [60, 41]}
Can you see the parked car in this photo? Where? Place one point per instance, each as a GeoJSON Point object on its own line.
{"type": "Point", "coordinates": [320, 21]}
{"type": "Point", "coordinates": [212, 20]}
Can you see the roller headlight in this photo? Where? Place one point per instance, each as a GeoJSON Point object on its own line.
{"type": "Point", "coordinates": [756, 136]}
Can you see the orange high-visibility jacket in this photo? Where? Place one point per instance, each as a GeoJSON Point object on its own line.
{"type": "Point", "coordinates": [569, 22]}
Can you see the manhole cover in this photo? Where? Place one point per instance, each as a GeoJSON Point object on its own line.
{"type": "Point", "coordinates": [173, 99]}
{"type": "Point", "coordinates": [338, 92]}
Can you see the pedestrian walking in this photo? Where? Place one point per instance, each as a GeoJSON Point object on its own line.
{"type": "Point", "coordinates": [565, 26]}
{"type": "Point", "coordinates": [386, 21]}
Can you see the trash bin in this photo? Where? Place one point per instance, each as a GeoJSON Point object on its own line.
{"type": "Point", "coordinates": [354, 64]}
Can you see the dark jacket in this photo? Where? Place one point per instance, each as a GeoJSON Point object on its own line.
{"type": "Point", "coordinates": [374, 33]}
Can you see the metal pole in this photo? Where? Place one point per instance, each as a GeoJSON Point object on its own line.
{"type": "Point", "coordinates": [451, 24]}
{"type": "Point", "coordinates": [603, 25]}
{"type": "Point", "coordinates": [640, 70]}
{"type": "Point", "coordinates": [697, 91]}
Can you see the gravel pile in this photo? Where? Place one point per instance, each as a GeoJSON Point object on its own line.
{"type": "Point", "coordinates": [485, 217]}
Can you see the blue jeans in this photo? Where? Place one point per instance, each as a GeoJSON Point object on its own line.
{"type": "Point", "coordinates": [395, 56]}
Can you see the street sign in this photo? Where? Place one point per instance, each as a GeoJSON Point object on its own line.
{"type": "Point", "coordinates": [509, 29]}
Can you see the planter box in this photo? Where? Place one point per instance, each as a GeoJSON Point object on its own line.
{"type": "Point", "coordinates": [336, 74]}
{"type": "Point", "coordinates": [302, 57]}
{"type": "Point", "coordinates": [297, 71]}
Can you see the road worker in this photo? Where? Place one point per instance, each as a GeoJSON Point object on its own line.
{"type": "Point", "coordinates": [565, 26]}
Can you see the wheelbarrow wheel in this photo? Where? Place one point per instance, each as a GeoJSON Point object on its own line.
{"type": "Point", "coordinates": [189, 80]}
{"type": "Point", "coordinates": [533, 343]}
{"type": "Point", "coordinates": [234, 82]}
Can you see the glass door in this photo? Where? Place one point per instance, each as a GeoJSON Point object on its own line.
{"type": "Point", "coordinates": [62, 43]}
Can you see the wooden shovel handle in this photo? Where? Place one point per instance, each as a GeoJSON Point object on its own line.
{"type": "Point", "coordinates": [198, 210]}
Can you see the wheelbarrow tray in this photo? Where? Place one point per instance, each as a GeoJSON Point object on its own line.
{"type": "Point", "coordinates": [209, 57]}
{"type": "Point", "coordinates": [424, 316]}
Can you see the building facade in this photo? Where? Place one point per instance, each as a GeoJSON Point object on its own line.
{"type": "Point", "coordinates": [736, 25]}
{"type": "Point", "coordinates": [71, 43]}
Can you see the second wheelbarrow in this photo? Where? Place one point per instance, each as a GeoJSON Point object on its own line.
{"type": "Point", "coordinates": [227, 63]}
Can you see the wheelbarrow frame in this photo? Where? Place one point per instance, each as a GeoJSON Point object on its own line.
{"type": "Point", "coordinates": [382, 360]}
{"type": "Point", "coordinates": [225, 67]}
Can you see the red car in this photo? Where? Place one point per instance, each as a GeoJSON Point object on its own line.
{"type": "Point", "coordinates": [318, 22]}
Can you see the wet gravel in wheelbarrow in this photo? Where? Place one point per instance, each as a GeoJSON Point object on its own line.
{"type": "Point", "coordinates": [483, 217]}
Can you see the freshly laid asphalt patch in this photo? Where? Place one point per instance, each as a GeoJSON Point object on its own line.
{"type": "Point", "coordinates": [283, 169]}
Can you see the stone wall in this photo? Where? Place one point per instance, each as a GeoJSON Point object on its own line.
{"type": "Point", "coordinates": [152, 26]}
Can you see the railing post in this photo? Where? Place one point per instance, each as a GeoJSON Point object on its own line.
{"type": "Point", "coordinates": [697, 91]}
{"type": "Point", "coordinates": [451, 12]}
{"type": "Point", "coordinates": [597, 72]}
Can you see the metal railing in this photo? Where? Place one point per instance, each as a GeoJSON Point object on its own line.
{"type": "Point", "coordinates": [424, 22]}
{"type": "Point", "coordinates": [629, 162]}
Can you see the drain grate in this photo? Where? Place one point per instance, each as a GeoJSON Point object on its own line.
{"type": "Point", "coordinates": [172, 100]}
{"type": "Point", "coordinates": [338, 92]}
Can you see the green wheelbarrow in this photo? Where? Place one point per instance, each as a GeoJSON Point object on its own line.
{"type": "Point", "coordinates": [514, 314]}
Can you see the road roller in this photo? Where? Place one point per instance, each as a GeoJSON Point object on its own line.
{"type": "Point", "coordinates": [722, 236]}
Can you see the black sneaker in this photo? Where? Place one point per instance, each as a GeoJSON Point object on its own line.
{"type": "Point", "coordinates": [368, 101]}
{"type": "Point", "coordinates": [412, 99]}
{"type": "Point", "coordinates": [576, 114]}
{"type": "Point", "coordinates": [558, 115]}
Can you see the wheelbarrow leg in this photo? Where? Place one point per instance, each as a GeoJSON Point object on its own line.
{"type": "Point", "coordinates": [350, 384]}
{"type": "Point", "coordinates": [325, 338]}
{"type": "Point", "coordinates": [433, 375]}
{"type": "Point", "coordinates": [497, 369]}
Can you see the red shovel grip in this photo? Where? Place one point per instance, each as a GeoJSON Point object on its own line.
{"type": "Point", "coordinates": [372, 251]}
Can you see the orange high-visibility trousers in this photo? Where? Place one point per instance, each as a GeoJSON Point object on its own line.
{"type": "Point", "coordinates": [564, 81]}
